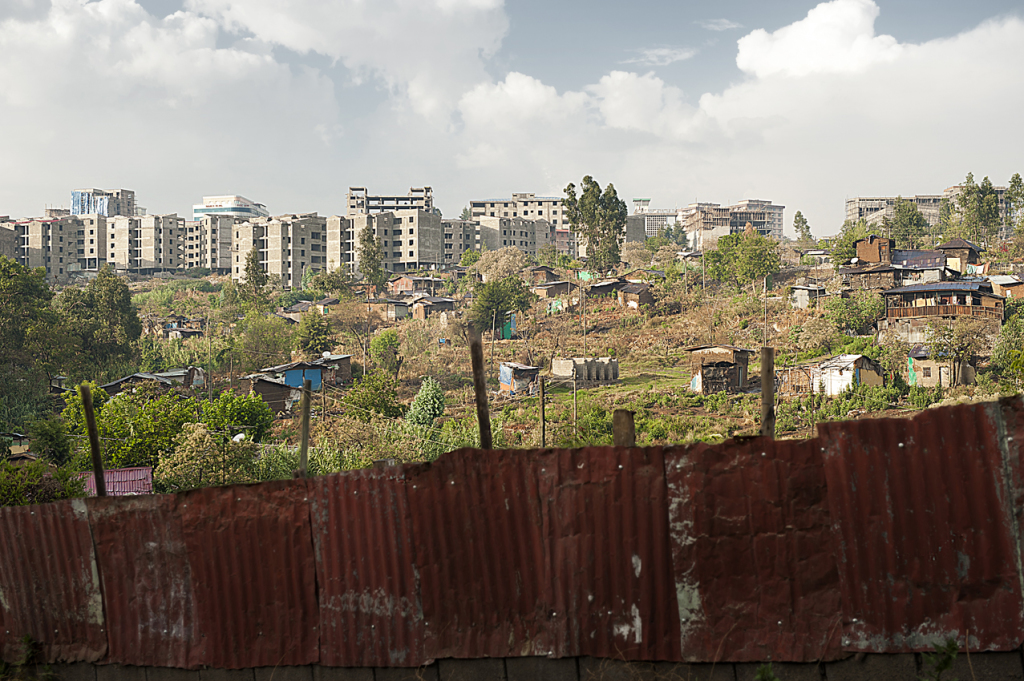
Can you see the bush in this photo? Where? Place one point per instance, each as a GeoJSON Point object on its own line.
{"type": "Point", "coordinates": [231, 413]}
{"type": "Point", "coordinates": [375, 393]}
{"type": "Point", "coordinates": [384, 351]}
{"type": "Point", "coordinates": [201, 460]}
{"type": "Point", "coordinates": [37, 483]}
{"type": "Point", "coordinates": [428, 405]}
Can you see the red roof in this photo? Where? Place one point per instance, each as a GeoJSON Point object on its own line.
{"type": "Point", "coordinates": [122, 482]}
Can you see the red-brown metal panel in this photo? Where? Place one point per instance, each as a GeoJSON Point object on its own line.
{"type": "Point", "coordinates": [928, 546]}
{"type": "Point", "coordinates": [147, 589]}
{"type": "Point", "coordinates": [754, 572]}
{"type": "Point", "coordinates": [49, 585]}
{"type": "Point", "coordinates": [606, 514]}
{"type": "Point", "coordinates": [481, 551]}
{"type": "Point", "coordinates": [250, 553]}
{"type": "Point", "coordinates": [370, 611]}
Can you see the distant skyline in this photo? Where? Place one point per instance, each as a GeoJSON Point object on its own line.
{"type": "Point", "coordinates": [289, 104]}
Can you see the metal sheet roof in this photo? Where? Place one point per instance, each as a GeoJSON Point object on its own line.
{"type": "Point", "coordinates": [122, 481]}
{"type": "Point", "coordinates": [980, 286]}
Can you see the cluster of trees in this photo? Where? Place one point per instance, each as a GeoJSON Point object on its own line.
{"type": "Point", "coordinates": [743, 258]}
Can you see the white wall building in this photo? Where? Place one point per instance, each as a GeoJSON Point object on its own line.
{"type": "Point", "coordinates": [230, 205]}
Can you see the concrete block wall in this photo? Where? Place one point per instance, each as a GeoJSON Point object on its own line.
{"type": "Point", "coordinates": [1002, 666]}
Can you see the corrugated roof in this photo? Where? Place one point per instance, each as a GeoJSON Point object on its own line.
{"type": "Point", "coordinates": [122, 481]}
{"type": "Point", "coordinates": [979, 286]}
{"type": "Point", "coordinates": [959, 243]}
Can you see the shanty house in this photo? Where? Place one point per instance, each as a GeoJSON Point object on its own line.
{"type": "Point", "coordinates": [1007, 286]}
{"type": "Point", "coordinates": [718, 368]}
{"type": "Point", "coordinates": [874, 249]}
{"type": "Point", "coordinates": [125, 383]}
{"type": "Point", "coordinates": [869, 277]}
{"type": "Point", "coordinates": [275, 393]}
{"type": "Point", "coordinates": [642, 275]}
{"type": "Point", "coordinates": [294, 373]}
{"type": "Point", "coordinates": [962, 250]}
{"type": "Point", "coordinates": [635, 295]}
{"type": "Point", "coordinates": [407, 284]}
{"type": "Point", "coordinates": [551, 289]}
{"type": "Point", "coordinates": [926, 370]}
{"type": "Point", "coordinates": [804, 297]}
{"type": "Point", "coordinates": [540, 274]}
{"type": "Point", "coordinates": [121, 482]}
{"type": "Point", "coordinates": [832, 376]}
{"type": "Point", "coordinates": [909, 310]}
{"type": "Point", "coordinates": [337, 369]}
{"type": "Point", "coordinates": [428, 305]}
{"type": "Point", "coordinates": [518, 379]}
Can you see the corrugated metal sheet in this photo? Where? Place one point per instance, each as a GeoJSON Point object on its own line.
{"type": "Point", "coordinates": [370, 610]}
{"type": "Point", "coordinates": [251, 563]}
{"type": "Point", "coordinates": [122, 481]}
{"type": "Point", "coordinates": [928, 544]}
{"type": "Point", "coordinates": [49, 586]}
{"type": "Point", "coordinates": [754, 574]}
{"type": "Point", "coordinates": [147, 584]}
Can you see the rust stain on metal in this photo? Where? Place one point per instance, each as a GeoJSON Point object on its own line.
{"type": "Point", "coordinates": [147, 586]}
{"type": "Point", "coordinates": [925, 514]}
{"type": "Point", "coordinates": [370, 610]}
{"type": "Point", "coordinates": [251, 563]}
{"type": "Point", "coordinates": [49, 584]}
{"type": "Point", "coordinates": [754, 576]}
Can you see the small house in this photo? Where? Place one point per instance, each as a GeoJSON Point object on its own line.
{"type": "Point", "coordinates": [919, 259]}
{"type": "Point", "coordinates": [540, 274]}
{"type": "Point", "coordinates": [870, 277]}
{"type": "Point", "coordinates": [804, 297]}
{"type": "Point", "coordinates": [337, 369]}
{"type": "Point", "coordinates": [324, 305]}
{"type": "Point", "coordinates": [551, 289]}
{"type": "Point", "coordinates": [718, 368]}
{"type": "Point", "coordinates": [406, 283]}
{"type": "Point", "coordinates": [518, 379]}
{"type": "Point", "coordinates": [962, 250]}
{"type": "Point", "coordinates": [275, 393]}
{"type": "Point", "coordinates": [832, 376]}
{"type": "Point", "coordinates": [874, 249]}
{"type": "Point", "coordinates": [294, 373]}
{"type": "Point", "coordinates": [926, 370]}
{"type": "Point", "coordinates": [605, 288]}
{"type": "Point", "coordinates": [643, 275]}
{"type": "Point", "coordinates": [1007, 286]}
{"type": "Point", "coordinates": [427, 305]}
{"type": "Point", "coordinates": [633, 296]}
{"type": "Point", "coordinates": [128, 382]}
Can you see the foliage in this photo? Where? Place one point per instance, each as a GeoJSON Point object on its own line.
{"type": "Point", "coordinates": [817, 336]}
{"type": "Point", "coordinates": [977, 208]}
{"type": "Point", "coordinates": [842, 247]}
{"type": "Point", "coordinates": [334, 282]}
{"type": "Point", "coordinates": [289, 298]}
{"type": "Point", "coordinates": [50, 439]}
{"type": "Point", "coordinates": [1008, 354]}
{"type": "Point", "coordinates": [941, 660]}
{"type": "Point", "coordinates": [469, 258]}
{"type": "Point", "coordinates": [894, 354]}
{"type": "Point", "coordinates": [466, 214]}
{"type": "Point", "coordinates": [547, 255]}
{"type": "Point", "coordinates": [37, 482]}
{"type": "Point", "coordinates": [599, 218]}
{"type": "Point", "coordinates": [428, 405]}
{"type": "Point", "coordinates": [384, 348]}
{"type": "Point", "coordinates": [803, 230]}
{"type": "Point", "coordinates": [1014, 198]}
{"type": "Point", "coordinates": [252, 290]}
{"type": "Point", "coordinates": [371, 258]}
{"type": "Point", "coordinates": [102, 317]}
{"type": "Point", "coordinates": [765, 673]}
{"type": "Point", "coordinates": [24, 303]}
{"type": "Point", "coordinates": [907, 227]}
{"type": "Point", "coordinates": [856, 313]}
{"type": "Point", "coordinates": [230, 413]}
{"type": "Point", "coordinates": [742, 258]}
{"type": "Point", "coordinates": [495, 299]}
{"type": "Point", "coordinates": [956, 342]}
{"type": "Point", "coordinates": [636, 254]}
{"type": "Point", "coordinates": [314, 334]}
{"type": "Point", "coordinates": [500, 264]}
{"type": "Point", "coordinates": [666, 257]}
{"type": "Point", "coordinates": [201, 460]}
{"type": "Point", "coordinates": [375, 393]}
{"type": "Point", "coordinates": [264, 340]}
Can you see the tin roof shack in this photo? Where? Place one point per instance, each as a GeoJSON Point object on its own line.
{"type": "Point", "coordinates": [919, 258]}
{"type": "Point", "coordinates": [276, 394]}
{"type": "Point", "coordinates": [539, 274]}
{"type": "Point", "coordinates": [407, 284]}
{"type": "Point", "coordinates": [832, 376]}
{"type": "Point", "coordinates": [874, 249]}
{"type": "Point", "coordinates": [294, 373]}
{"type": "Point", "coordinates": [910, 310]}
{"type": "Point", "coordinates": [551, 289]}
{"type": "Point", "coordinates": [337, 369]}
{"type": "Point", "coordinates": [128, 382]}
{"type": "Point", "coordinates": [588, 371]}
{"type": "Point", "coordinates": [324, 305]}
{"type": "Point", "coordinates": [642, 275]}
{"type": "Point", "coordinates": [605, 288]}
{"type": "Point", "coordinates": [633, 296]}
{"type": "Point", "coordinates": [390, 309]}
{"type": "Point", "coordinates": [804, 297]}
{"type": "Point", "coordinates": [961, 249]}
{"type": "Point", "coordinates": [1007, 286]}
{"type": "Point", "coordinates": [718, 368]}
{"type": "Point", "coordinates": [928, 371]}
{"type": "Point", "coordinates": [869, 277]}
{"type": "Point", "coordinates": [518, 379]}
{"type": "Point", "coordinates": [428, 305]}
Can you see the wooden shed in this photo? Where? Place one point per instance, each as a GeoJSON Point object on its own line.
{"type": "Point", "coordinates": [635, 295]}
{"type": "Point", "coordinates": [518, 379]}
{"type": "Point", "coordinates": [718, 368]}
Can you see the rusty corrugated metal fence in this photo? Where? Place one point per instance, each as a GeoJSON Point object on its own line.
{"type": "Point", "coordinates": [878, 535]}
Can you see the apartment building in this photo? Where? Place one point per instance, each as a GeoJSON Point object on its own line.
{"type": "Point", "coordinates": [105, 202]}
{"type": "Point", "coordinates": [63, 246]}
{"type": "Point", "coordinates": [522, 205]}
{"type": "Point", "coordinates": [528, 235]}
{"type": "Point", "coordinates": [9, 240]}
{"type": "Point", "coordinates": [361, 202]}
{"type": "Point", "coordinates": [146, 244]}
{"type": "Point", "coordinates": [288, 246]}
{"type": "Point", "coordinates": [874, 209]}
{"type": "Point", "coordinates": [207, 243]}
{"type": "Point", "coordinates": [230, 205]}
{"type": "Point", "coordinates": [459, 236]}
{"type": "Point", "coordinates": [410, 239]}
{"type": "Point", "coordinates": [655, 220]}
{"type": "Point", "coordinates": [765, 217]}
{"type": "Point", "coordinates": [706, 223]}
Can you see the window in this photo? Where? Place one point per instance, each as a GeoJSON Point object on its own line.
{"type": "Point", "coordinates": [302, 253]}
{"type": "Point", "coordinates": [927, 373]}
{"type": "Point", "coordinates": [302, 241]}
{"type": "Point", "coordinates": [410, 254]}
{"type": "Point", "coordinates": [236, 260]}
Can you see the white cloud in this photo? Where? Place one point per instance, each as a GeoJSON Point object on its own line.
{"type": "Point", "coordinates": [662, 56]}
{"type": "Point", "coordinates": [719, 25]}
{"type": "Point", "coordinates": [836, 37]}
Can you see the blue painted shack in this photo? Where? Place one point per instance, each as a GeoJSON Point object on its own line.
{"type": "Point", "coordinates": [293, 373]}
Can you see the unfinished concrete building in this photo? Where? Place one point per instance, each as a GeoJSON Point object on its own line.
{"type": "Point", "coordinates": [361, 202]}
{"type": "Point", "coordinates": [288, 245]}
{"type": "Point", "coordinates": [410, 239]}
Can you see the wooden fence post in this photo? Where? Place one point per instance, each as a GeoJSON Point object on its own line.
{"type": "Point", "coordinates": [94, 440]}
{"type": "Point", "coordinates": [768, 392]}
{"type": "Point", "coordinates": [483, 416]}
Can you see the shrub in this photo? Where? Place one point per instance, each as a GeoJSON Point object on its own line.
{"type": "Point", "coordinates": [37, 483]}
{"type": "Point", "coordinates": [428, 405]}
{"type": "Point", "coordinates": [201, 460]}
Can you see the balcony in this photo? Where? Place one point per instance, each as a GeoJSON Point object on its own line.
{"type": "Point", "coordinates": [910, 312]}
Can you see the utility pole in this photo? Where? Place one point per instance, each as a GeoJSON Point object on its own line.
{"type": "Point", "coordinates": [768, 392]}
{"type": "Point", "coordinates": [574, 431]}
{"type": "Point", "coordinates": [543, 427]}
{"type": "Point", "coordinates": [583, 302]}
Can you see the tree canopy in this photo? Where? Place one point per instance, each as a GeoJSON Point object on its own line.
{"type": "Point", "coordinates": [907, 227]}
{"type": "Point", "coordinates": [495, 299]}
{"type": "Point", "coordinates": [599, 218]}
{"type": "Point", "coordinates": [371, 258]}
{"type": "Point", "coordinates": [742, 258]}
{"type": "Point", "coordinates": [803, 230]}
{"type": "Point", "coordinates": [842, 244]}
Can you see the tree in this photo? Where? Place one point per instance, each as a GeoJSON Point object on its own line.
{"type": "Point", "coordinates": [469, 258]}
{"type": "Point", "coordinates": [743, 258]}
{"type": "Point", "coordinates": [466, 214]}
{"type": "Point", "coordinates": [547, 255]}
{"type": "Point", "coordinates": [335, 282]}
{"type": "Point", "coordinates": [384, 348]}
{"type": "Point", "coordinates": [1014, 198]}
{"type": "Point", "coordinates": [375, 393]}
{"type": "Point", "coordinates": [636, 254]}
{"type": "Point", "coordinates": [230, 414]}
{"type": "Point", "coordinates": [803, 230]}
{"type": "Point", "coordinates": [428, 405]}
{"type": "Point", "coordinates": [599, 218]}
{"type": "Point", "coordinates": [102, 317]}
{"type": "Point", "coordinates": [371, 258]}
{"type": "Point", "coordinates": [264, 340]}
{"type": "Point", "coordinates": [908, 226]}
{"type": "Point", "coordinates": [24, 302]}
{"type": "Point", "coordinates": [856, 313]}
{"type": "Point", "coordinates": [956, 343]}
{"type": "Point", "coordinates": [843, 250]}
{"type": "Point", "coordinates": [256, 279]}
{"type": "Point", "coordinates": [37, 483]}
{"type": "Point", "coordinates": [495, 299]}
{"type": "Point", "coordinates": [666, 256]}
{"type": "Point", "coordinates": [499, 264]}
{"type": "Point", "coordinates": [50, 439]}
{"type": "Point", "coordinates": [201, 460]}
{"type": "Point", "coordinates": [314, 334]}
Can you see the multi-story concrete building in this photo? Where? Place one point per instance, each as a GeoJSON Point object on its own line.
{"type": "Point", "coordinates": [765, 217]}
{"type": "Point", "coordinates": [874, 209]}
{"type": "Point", "coordinates": [9, 240]}
{"type": "Point", "coordinates": [289, 245]}
{"type": "Point", "coordinates": [522, 205]}
{"type": "Point", "coordinates": [459, 236]}
{"type": "Point", "coordinates": [230, 205]}
{"type": "Point", "coordinates": [528, 235]}
{"type": "Point", "coordinates": [146, 244]}
{"type": "Point", "coordinates": [62, 246]}
{"type": "Point", "coordinates": [207, 243]}
{"type": "Point", "coordinates": [706, 223]}
{"type": "Point", "coordinates": [360, 202]}
{"type": "Point", "coordinates": [655, 220]}
{"type": "Point", "coordinates": [107, 203]}
{"type": "Point", "coordinates": [410, 239]}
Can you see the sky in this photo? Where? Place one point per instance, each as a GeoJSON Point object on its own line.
{"type": "Point", "coordinates": [290, 103]}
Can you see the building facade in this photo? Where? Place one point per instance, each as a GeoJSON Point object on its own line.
{"type": "Point", "coordinates": [230, 205]}
{"type": "Point", "coordinates": [107, 203]}
{"type": "Point", "coordinates": [873, 209]}
{"type": "Point", "coordinates": [410, 239]}
{"type": "Point", "coordinates": [522, 205]}
{"type": "Point", "coordinates": [706, 223]}
{"type": "Point", "coordinates": [208, 243]}
{"type": "Point", "coordinates": [361, 202]}
{"type": "Point", "coordinates": [288, 245]}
